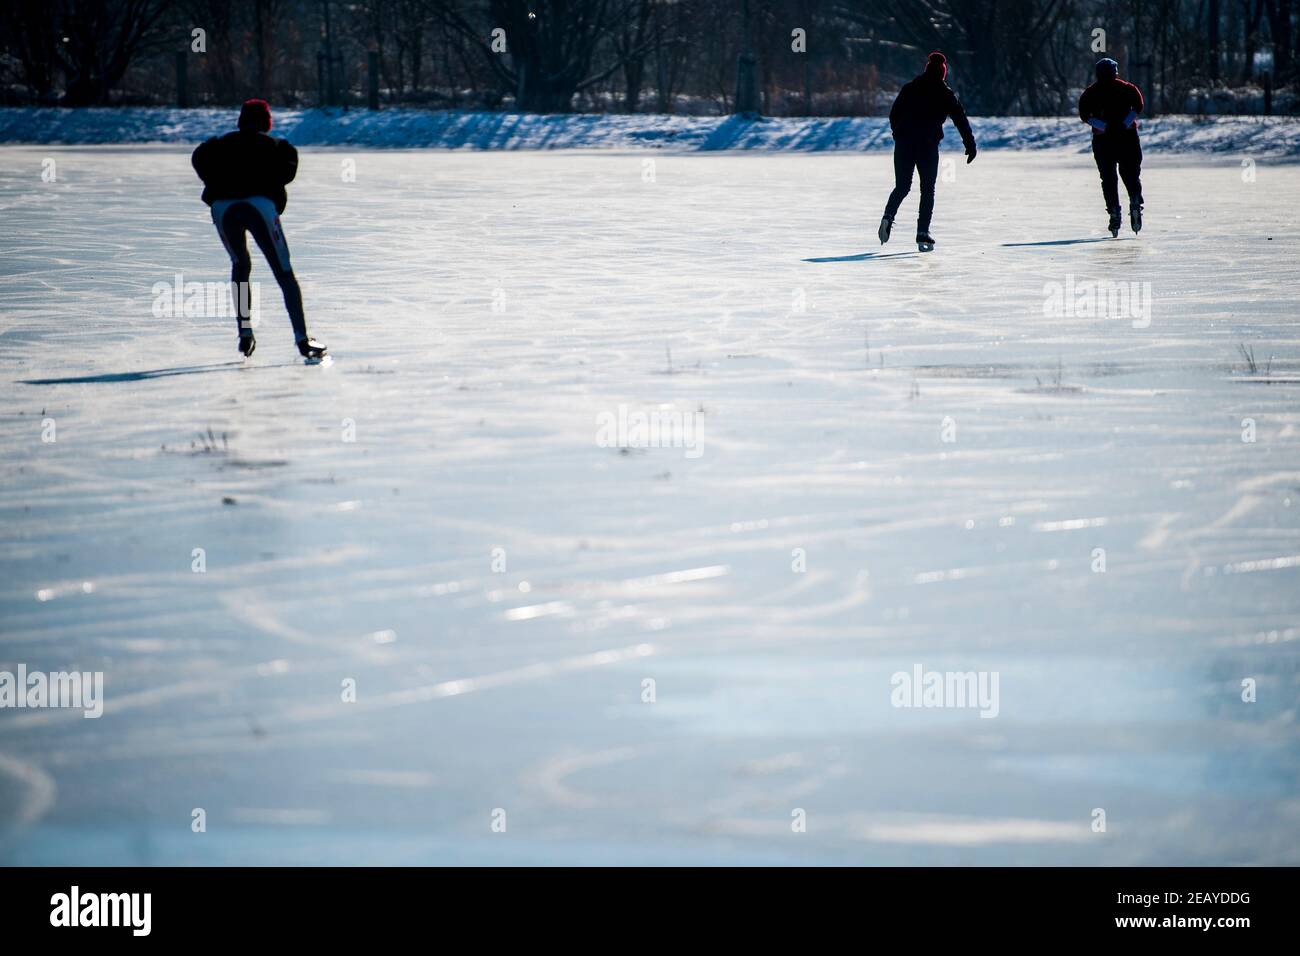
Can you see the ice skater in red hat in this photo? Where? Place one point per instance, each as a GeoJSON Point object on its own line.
{"type": "Point", "coordinates": [244, 174]}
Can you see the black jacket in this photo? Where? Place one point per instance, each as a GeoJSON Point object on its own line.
{"type": "Point", "coordinates": [243, 164]}
{"type": "Point", "coordinates": [919, 112]}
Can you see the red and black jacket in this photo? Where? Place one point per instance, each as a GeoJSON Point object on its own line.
{"type": "Point", "coordinates": [1110, 100]}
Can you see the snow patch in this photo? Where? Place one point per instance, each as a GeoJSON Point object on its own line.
{"type": "Point", "coordinates": [410, 128]}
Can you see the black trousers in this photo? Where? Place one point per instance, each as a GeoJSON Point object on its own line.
{"type": "Point", "coordinates": [924, 158]}
{"type": "Point", "coordinates": [235, 220]}
{"type": "Point", "coordinates": [1122, 152]}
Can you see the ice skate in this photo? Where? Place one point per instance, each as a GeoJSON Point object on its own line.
{"type": "Point", "coordinates": [311, 350]}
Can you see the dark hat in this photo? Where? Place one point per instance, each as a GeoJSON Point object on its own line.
{"type": "Point", "coordinates": [255, 116]}
{"type": "Point", "coordinates": [1107, 68]}
{"type": "Point", "coordinates": [937, 65]}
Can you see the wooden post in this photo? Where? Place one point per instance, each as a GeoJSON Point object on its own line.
{"type": "Point", "coordinates": [330, 56]}
{"type": "Point", "coordinates": [1266, 80]}
{"type": "Point", "coordinates": [1144, 73]}
{"type": "Point", "coordinates": [746, 84]}
{"type": "Point", "coordinates": [182, 80]}
{"type": "Point", "coordinates": [373, 64]}
{"type": "Point", "coordinates": [746, 67]}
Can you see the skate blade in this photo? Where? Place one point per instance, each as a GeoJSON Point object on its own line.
{"type": "Point", "coordinates": [925, 246]}
{"type": "Point", "coordinates": [319, 360]}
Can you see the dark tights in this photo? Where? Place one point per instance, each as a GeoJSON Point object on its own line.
{"type": "Point", "coordinates": [924, 158]}
{"type": "Point", "coordinates": [236, 222]}
{"type": "Point", "coordinates": [1122, 150]}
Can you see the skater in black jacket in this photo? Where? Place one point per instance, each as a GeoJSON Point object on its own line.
{"type": "Point", "coordinates": [1111, 107]}
{"type": "Point", "coordinates": [917, 119]}
{"type": "Point", "coordinates": [244, 174]}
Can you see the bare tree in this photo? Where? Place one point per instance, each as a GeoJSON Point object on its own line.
{"type": "Point", "coordinates": [1008, 56]}
{"type": "Point", "coordinates": [1000, 46]}
{"type": "Point", "coordinates": [1279, 29]}
{"type": "Point", "coordinates": [217, 19]}
{"type": "Point", "coordinates": [99, 39]}
{"type": "Point", "coordinates": [632, 41]}
{"type": "Point", "coordinates": [32, 37]}
{"type": "Point", "coordinates": [550, 45]}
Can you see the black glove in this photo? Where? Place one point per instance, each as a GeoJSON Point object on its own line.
{"type": "Point", "coordinates": [970, 152]}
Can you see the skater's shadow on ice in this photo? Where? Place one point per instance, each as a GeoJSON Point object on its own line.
{"type": "Point", "coordinates": [1062, 242]}
{"type": "Point", "coordinates": [110, 377]}
{"type": "Point", "coordinates": [864, 256]}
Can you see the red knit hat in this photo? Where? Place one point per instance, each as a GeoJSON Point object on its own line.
{"type": "Point", "coordinates": [255, 115]}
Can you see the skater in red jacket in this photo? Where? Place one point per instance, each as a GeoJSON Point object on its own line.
{"type": "Point", "coordinates": [244, 174]}
{"type": "Point", "coordinates": [1111, 107]}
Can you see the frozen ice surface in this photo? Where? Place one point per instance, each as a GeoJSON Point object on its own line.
{"type": "Point", "coordinates": [486, 310]}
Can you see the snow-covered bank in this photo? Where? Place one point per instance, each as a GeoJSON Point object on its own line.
{"type": "Point", "coordinates": [1273, 136]}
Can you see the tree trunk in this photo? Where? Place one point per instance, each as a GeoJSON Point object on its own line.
{"type": "Point", "coordinates": [1281, 30]}
{"type": "Point", "coordinates": [632, 72]}
{"type": "Point", "coordinates": [1251, 39]}
{"type": "Point", "coordinates": [1212, 54]}
{"type": "Point", "coordinates": [663, 79]}
{"type": "Point", "coordinates": [259, 44]}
